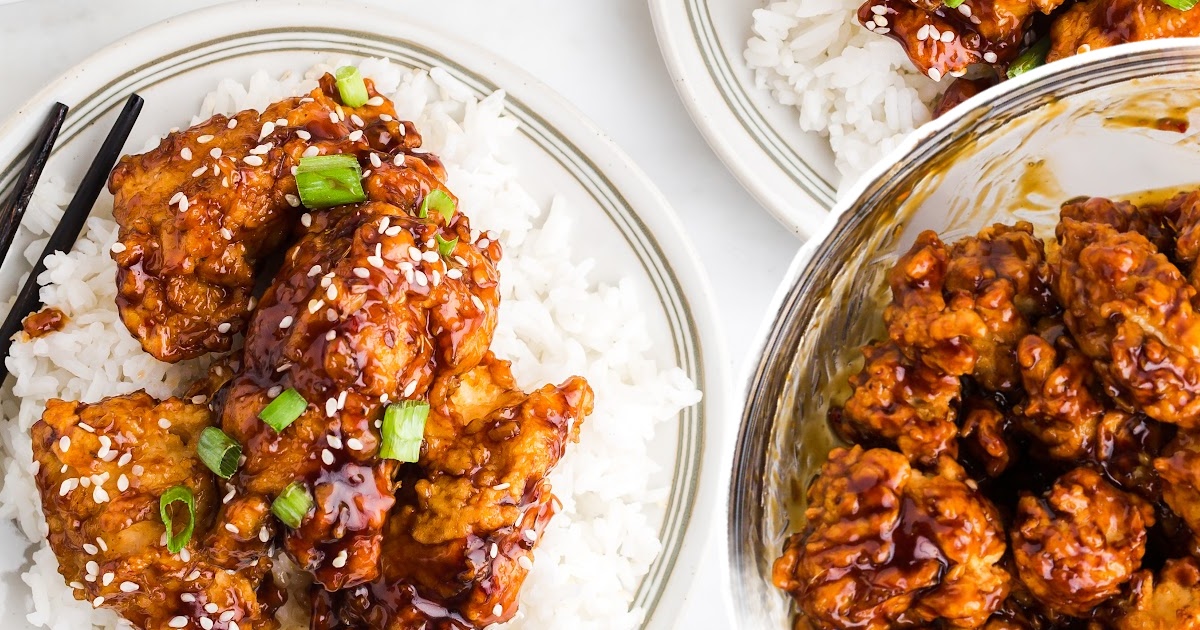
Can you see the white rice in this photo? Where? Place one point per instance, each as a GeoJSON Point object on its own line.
{"type": "Point", "coordinates": [857, 87]}
{"type": "Point", "coordinates": [554, 322]}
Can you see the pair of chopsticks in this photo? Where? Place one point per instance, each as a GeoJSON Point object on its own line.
{"type": "Point", "coordinates": [71, 224]}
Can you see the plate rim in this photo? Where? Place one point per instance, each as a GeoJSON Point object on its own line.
{"type": "Point", "coordinates": [795, 207]}
{"type": "Point", "coordinates": [604, 158]}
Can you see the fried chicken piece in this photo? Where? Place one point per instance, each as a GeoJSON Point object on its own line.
{"type": "Point", "coordinates": [887, 545]}
{"type": "Point", "coordinates": [459, 544]}
{"type": "Point", "coordinates": [364, 311]}
{"type": "Point", "coordinates": [985, 436]}
{"type": "Point", "coordinates": [1153, 222]}
{"type": "Point", "coordinates": [1187, 241]}
{"type": "Point", "coordinates": [962, 89]}
{"type": "Point", "coordinates": [199, 213]}
{"type": "Point", "coordinates": [1179, 471]}
{"type": "Point", "coordinates": [1130, 310]}
{"type": "Point", "coordinates": [942, 41]}
{"type": "Point", "coordinates": [962, 310]}
{"type": "Point", "coordinates": [1075, 547]}
{"type": "Point", "coordinates": [896, 402]}
{"type": "Point", "coordinates": [101, 471]}
{"type": "Point", "coordinates": [1169, 602]}
{"type": "Point", "coordinates": [1095, 24]}
{"type": "Point", "coordinates": [1063, 410]}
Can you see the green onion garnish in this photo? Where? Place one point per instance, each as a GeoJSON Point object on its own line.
{"type": "Point", "coordinates": [1182, 5]}
{"type": "Point", "coordinates": [329, 180]}
{"type": "Point", "coordinates": [284, 409]}
{"type": "Point", "coordinates": [444, 246]}
{"type": "Point", "coordinates": [183, 494]}
{"type": "Point", "coordinates": [1030, 58]}
{"type": "Point", "coordinates": [440, 201]}
{"type": "Point", "coordinates": [953, 4]}
{"type": "Point", "coordinates": [219, 452]}
{"type": "Point", "coordinates": [351, 86]}
{"type": "Point", "coordinates": [292, 504]}
{"type": "Point", "coordinates": [403, 428]}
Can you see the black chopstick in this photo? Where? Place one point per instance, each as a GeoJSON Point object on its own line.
{"type": "Point", "coordinates": [71, 224]}
{"type": "Point", "coordinates": [14, 208]}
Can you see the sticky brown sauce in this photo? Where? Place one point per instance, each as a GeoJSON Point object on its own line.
{"type": "Point", "coordinates": [44, 322]}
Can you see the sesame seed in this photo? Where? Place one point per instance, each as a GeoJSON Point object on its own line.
{"type": "Point", "coordinates": [178, 621]}
{"type": "Point", "coordinates": [185, 555]}
{"type": "Point", "coordinates": [198, 399]}
{"type": "Point", "coordinates": [525, 563]}
{"type": "Point", "coordinates": [333, 117]}
{"type": "Point", "coordinates": [331, 335]}
{"type": "Point", "coordinates": [340, 560]}
{"type": "Point", "coordinates": [229, 495]}
{"type": "Point", "coordinates": [495, 550]}
{"type": "Point", "coordinates": [137, 470]}
{"type": "Point", "coordinates": [292, 200]}
{"type": "Point", "coordinates": [341, 405]}
{"type": "Point", "coordinates": [206, 623]}
{"type": "Point", "coordinates": [211, 608]}
{"type": "Point", "coordinates": [312, 151]}
{"type": "Point", "coordinates": [870, 26]}
{"type": "Point", "coordinates": [231, 528]}
{"type": "Point", "coordinates": [327, 456]}
{"type": "Point", "coordinates": [421, 279]}
{"type": "Point", "coordinates": [226, 234]}
{"type": "Point", "coordinates": [263, 534]}
{"type": "Point", "coordinates": [878, 9]}
{"type": "Point", "coordinates": [331, 293]}
{"type": "Point", "coordinates": [233, 625]}
{"type": "Point", "coordinates": [306, 219]}
{"type": "Point", "coordinates": [454, 274]}
{"type": "Point", "coordinates": [988, 56]}
{"type": "Point", "coordinates": [314, 270]}
{"type": "Point", "coordinates": [191, 577]}
{"type": "Point", "coordinates": [64, 443]}
{"type": "Point", "coordinates": [92, 567]}
{"type": "Point", "coordinates": [356, 120]}
{"type": "Point", "coordinates": [226, 616]}
{"type": "Point", "coordinates": [183, 204]}
{"type": "Point", "coordinates": [187, 598]}
{"type": "Point", "coordinates": [330, 406]}
{"type": "Point", "coordinates": [164, 423]}
{"type": "Point", "coordinates": [502, 486]}
{"type": "Point", "coordinates": [86, 482]}
{"type": "Point", "coordinates": [253, 160]}
{"type": "Point", "coordinates": [224, 327]}
{"type": "Point", "coordinates": [91, 549]}
{"type": "Point", "coordinates": [477, 302]}
{"type": "Point", "coordinates": [281, 122]}
{"type": "Point", "coordinates": [294, 170]}
{"type": "Point", "coordinates": [108, 578]}
{"type": "Point", "coordinates": [122, 483]}
{"type": "Point", "coordinates": [947, 36]}
{"type": "Point", "coordinates": [361, 272]}
{"type": "Point", "coordinates": [498, 610]}
{"type": "Point", "coordinates": [375, 101]}
{"type": "Point", "coordinates": [385, 117]}
{"type": "Point", "coordinates": [267, 129]}
{"type": "Point", "coordinates": [286, 321]}
{"type": "Point", "coordinates": [934, 74]}
{"type": "Point", "coordinates": [530, 535]}
{"type": "Point", "coordinates": [880, 20]}
{"type": "Point", "coordinates": [99, 600]}
{"type": "Point", "coordinates": [384, 137]}
{"type": "Point", "coordinates": [232, 123]}
{"type": "Point", "coordinates": [398, 160]}
{"type": "Point", "coordinates": [355, 135]}
{"type": "Point", "coordinates": [103, 545]}
{"type": "Point", "coordinates": [205, 139]}
{"type": "Point", "coordinates": [185, 153]}
{"type": "Point", "coordinates": [965, 9]}
{"type": "Point", "coordinates": [430, 257]}
{"type": "Point", "coordinates": [215, 153]}
{"type": "Point", "coordinates": [354, 444]}
{"type": "Point", "coordinates": [375, 261]}
{"type": "Point", "coordinates": [303, 135]}
{"type": "Point", "coordinates": [275, 391]}
{"type": "Point", "coordinates": [77, 585]}
{"type": "Point", "coordinates": [283, 367]}
{"type": "Point", "coordinates": [262, 149]}
{"type": "Point", "coordinates": [408, 390]}
{"type": "Point", "coordinates": [314, 306]}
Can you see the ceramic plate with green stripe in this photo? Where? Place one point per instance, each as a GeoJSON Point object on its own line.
{"type": "Point", "coordinates": [618, 216]}
{"type": "Point", "coordinates": [790, 171]}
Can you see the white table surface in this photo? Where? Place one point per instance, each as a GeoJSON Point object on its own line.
{"type": "Point", "coordinates": [600, 54]}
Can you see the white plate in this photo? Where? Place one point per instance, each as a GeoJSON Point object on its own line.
{"type": "Point", "coordinates": [788, 170]}
{"type": "Point", "coordinates": [619, 217]}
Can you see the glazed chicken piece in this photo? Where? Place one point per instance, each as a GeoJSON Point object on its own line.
{"type": "Point", "coordinates": [942, 41]}
{"type": "Point", "coordinates": [1187, 241]}
{"type": "Point", "coordinates": [886, 545]}
{"type": "Point", "coordinates": [101, 471]}
{"type": "Point", "coordinates": [896, 402]}
{"type": "Point", "coordinates": [1063, 409]}
{"type": "Point", "coordinates": [960, 90]}
{"type": "Point", "coordinates": [1168, 601]}
{"type": "Point", "coordinates": [1130, 310]}
{"type": "Point", "coordinates": [1095, 24]}
{"type": "Point", "coordinates": [1153, 222]}
{"type": "Point", "coordinates": [985, 436]}
{"type": "Point", "coordinates": [365, 311]}
{"type": "Point", "coordinates": [200, 213]}
{"type": "Point", "coordinates": [459, 545]}
{"type": "Point", "coordinates": [1179, 470]}
{"type": "Point", "coordinates": [961, 310]}
{"type": "Point", "coordinates": [1075, 547]}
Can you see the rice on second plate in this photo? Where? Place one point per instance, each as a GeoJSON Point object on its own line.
{"type": "Point", "coordinates": [554, 321]}
{"type": "Point", "coordinates": [848, 83]}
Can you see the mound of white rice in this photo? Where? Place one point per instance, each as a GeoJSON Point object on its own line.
{"type": "Point", "coordinates": [554, 321]}
{"type": "Point", "coordinates": [854, 86]}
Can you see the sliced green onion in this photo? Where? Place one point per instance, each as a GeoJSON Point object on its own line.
{"type": "Point", "coordinates": [444, 246]}
{"type": "Point", "coordinates": [219, 452]}
{"type": "Point", "coordinates": [351, 86]}
{"type": "Point", "coordinates": [292, 504]}
{"type": "Point", "coordinates": [284, 409]}
{"type": "Point", "coordinates": [1030, 58]}
{"type": "Point", "coordinates": [953, 4]}
{"type": "Point", "coordinates": [178, 494]}
{"type": "Point", "coordinates": [440, 201]}
{"type": "Point", "coordinates": [403, 428]}
{"type": "Point", "coordinates": [329, 180]}
{"type": "Point", "coordinates": [1182, 5]}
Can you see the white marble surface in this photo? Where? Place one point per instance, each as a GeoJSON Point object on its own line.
{"type": "Point", "coordinates": [599, 54]}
